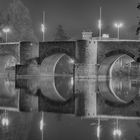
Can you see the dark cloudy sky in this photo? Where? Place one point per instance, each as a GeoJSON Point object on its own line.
{"type": "Point", "coordinates": [79, 15]}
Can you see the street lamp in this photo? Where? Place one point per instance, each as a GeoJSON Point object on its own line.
{"type": "Point", "coordinates": [43, 27]}
{"type": "Point", "coordinates": [100, 24]}
{"type": "Point", "coordinates": [118, 26]}
{"type": "Point", "coordinates": [6, 31]}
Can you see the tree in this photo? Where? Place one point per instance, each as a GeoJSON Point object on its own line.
{"type": "Point", "coordinates": [17, 17]}
{"type": "Point", "coordinates": [138, 28]}
{"type": "Point", "coordinates": [60, 34]}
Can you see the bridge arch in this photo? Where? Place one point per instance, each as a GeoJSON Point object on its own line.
{"type": "Point", "coordinates": [115, 83]}
{"type": "Point", "coordinates": [119, 51]}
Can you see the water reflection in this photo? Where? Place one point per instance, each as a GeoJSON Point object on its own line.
{"type": "Point", "coordinates": [118, 84]}
{"type": "Point", "coordinates": [25, 126]}
{"type": "Point", "coordinates": [123, 79]}
{"type": "Point", "coordinates": [15, 126]}
{"type": "Point", "coordinates": [4, 119]}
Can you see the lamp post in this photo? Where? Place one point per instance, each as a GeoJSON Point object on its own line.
{"type": "Point", "coordinates": [43, 27]}
{"type": "Point", "coordinates": [100, 24]}
{"type": "Point", "coordinates": [118, 26]}
{"type": "Point", "coordinates": [6, 31]}
{"type": "Point", "coordinates": [43, 32]}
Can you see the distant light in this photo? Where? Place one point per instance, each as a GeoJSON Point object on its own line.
{"type": "Point", "coordinates": [71, 61]}
{"type": "Point", "coordinates": [118, 25]}
{"type": "Point", "coordinates": [6, 30]}
{"type": "Point", "coordinates": [5, 121]}
{"type": "Point", "coordinates": [105, 35]}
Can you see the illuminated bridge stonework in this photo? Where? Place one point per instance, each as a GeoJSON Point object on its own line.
{"type": "Point", "coordinates": [88, 78]}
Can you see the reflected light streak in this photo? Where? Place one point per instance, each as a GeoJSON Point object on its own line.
{"type": "Point", "coordinates": [98, 131]}
{"type": "Point", "coordinates": [5, 121]}
{"type": "Point", "coordinates": [41, 124]}
{"type": "Point", "coordinates": [117, 132]}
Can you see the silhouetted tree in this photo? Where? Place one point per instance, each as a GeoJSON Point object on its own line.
{"type": "Point", "coordinates": [17, 17]}
{"type": "Point", "coordinates": [60, 34]}
{"type": "Point", "coordinates": [138, 28]}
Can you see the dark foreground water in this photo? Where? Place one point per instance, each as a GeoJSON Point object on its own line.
{"type": "Point", "coordinates": [26, 126]}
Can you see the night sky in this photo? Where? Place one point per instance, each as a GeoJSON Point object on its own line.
{"type": "Point", "coordinates": [79, 15]}
{"type": "Point", "coordinates": [76, 16]}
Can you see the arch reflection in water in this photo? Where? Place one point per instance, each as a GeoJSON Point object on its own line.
{"type": "Point", "coordinates": [54, 77]}
{"type": "Point", "coordinates": [57, 77]}
{"type": "Point", "coordinates": [8, 95]}
{"type": "Point", "coordinates": [118, 81]}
